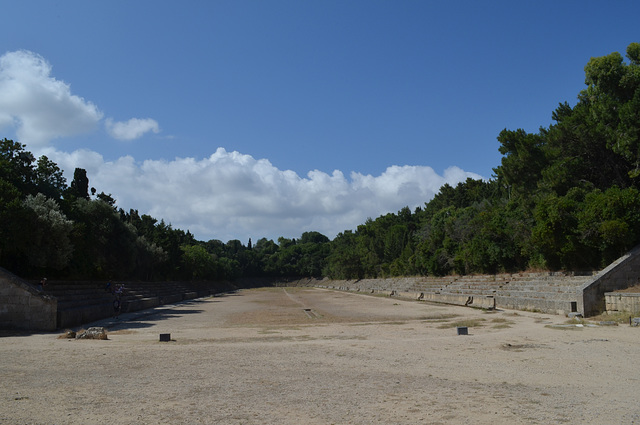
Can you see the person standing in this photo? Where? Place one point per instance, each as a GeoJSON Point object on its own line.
{"type": "Point", "coordinates": [117, 302]}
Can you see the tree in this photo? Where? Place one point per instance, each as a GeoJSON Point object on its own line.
{"type": "Point", "coordinates": [16, 166]}
{"type": "Point", "coordinates": [555, 233]}
{"type": "Point", "coordinates": [13, 228]}
{"type": "Point", "coordinates": [313, 237]}
{"type": "Point", "coordinates": [609, 222]}
{"type": "Point", "coordinates": [106, 246]}
{"type": "Point", "coordinates": [106, 198]}
{"type": "Point", "coordinates": [79, 187]}
{"type": "Point", "coordinates": [198, 263]}
{"type": "Point", "coordinates": [522, 162]}
{"type": "Point", "coordinates": [343, 261]}
{"type": "Point", "coordinates": [49, 178]}
{"type": "Point", "coordinates": [49, 230]}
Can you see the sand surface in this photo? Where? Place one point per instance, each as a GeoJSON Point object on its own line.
{"type": "Point", "coordinates": [313, 356]}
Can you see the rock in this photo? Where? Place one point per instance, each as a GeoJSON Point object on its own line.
{"type": "Point", "coordinates": [93, 333]}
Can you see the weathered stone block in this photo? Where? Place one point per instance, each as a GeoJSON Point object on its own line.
{"type": "Point", "coordinates": [93, 333]}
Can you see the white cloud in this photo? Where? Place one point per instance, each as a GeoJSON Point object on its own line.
{"type": "Point", "coordinates": [38, 106]}
{"type": "Point", "coordinates": [41, 108]}
{"type": "Point", "coordinates": [132, 129]}
{"type": "Point", "coordinates": [230, 195]}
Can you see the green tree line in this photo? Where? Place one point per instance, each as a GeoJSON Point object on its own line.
{"type": "Point", "coordinates": [566, 197]}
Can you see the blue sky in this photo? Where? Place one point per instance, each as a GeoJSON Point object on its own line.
{"type": "Point", "coordinates": [238, 119]}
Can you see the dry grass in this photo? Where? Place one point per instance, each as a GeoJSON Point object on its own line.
{"type": "Point", "coordinates": [577, 321]}
{"type": "Point", "coordinates": [68, 334]}
{"type": "Point", "coordinates": [502, 323]}
{"type": "Point", "coordinates": [619, 317]}
{"type": "Point", "coordinates": [470, 323]}
{"type": "Point", "coordinates": [438, 317]}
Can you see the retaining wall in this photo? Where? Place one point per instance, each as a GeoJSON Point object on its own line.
{"type": "Point", "coordinates": [621, 274]}
{"type": "Point", "coordinates": [84, 302]}
{"type": "Point", "coordinates": [25, 306]}
{"type": "Point", "coordinates": [622, 301]}
{"type": "Point", "coordinates": [549, 292]}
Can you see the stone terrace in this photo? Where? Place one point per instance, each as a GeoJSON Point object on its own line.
{"type": "Point", "coordinates": [550, 292]}
{"type": "Point", "coordinates": [83, 302]}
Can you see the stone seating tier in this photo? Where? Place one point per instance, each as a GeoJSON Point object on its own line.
{"type": "Point", "coordinates": [84, 301]}
{"type": "Point", "coordinates": [545, 291]}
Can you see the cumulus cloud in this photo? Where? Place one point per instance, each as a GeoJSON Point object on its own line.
{"type": "Point", "coordinates": [132, 129]}
{"type": "Point", "coordinates": [38, 106]}
{"type": "Point", "coordinates": [41, 108]}
{"type": "Point", "coordinates": [230, 195]}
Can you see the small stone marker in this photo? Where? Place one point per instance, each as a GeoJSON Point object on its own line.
{"type": "Point", "coordinates": [165, 337]}
{"type": "Point", "coordinates": [463, 330]}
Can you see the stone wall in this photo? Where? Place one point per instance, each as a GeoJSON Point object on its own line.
{"type": "Point", "coordinates": [24, 306]}
{"type": "Point", "coordinates": [549, 292]}
{"type": "Point", "coordinates": [622, 302]}
{"type": "Point", "coordinates": [621, 274]}
{"type": "Point", "coordinates": [81, 302]}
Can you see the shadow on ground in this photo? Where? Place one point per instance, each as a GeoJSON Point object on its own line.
{"type": "Point", "coordinates": [145, 318]}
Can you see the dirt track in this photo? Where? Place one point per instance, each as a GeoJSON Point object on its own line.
{"type": "Point", "coordinates": [312, 356]}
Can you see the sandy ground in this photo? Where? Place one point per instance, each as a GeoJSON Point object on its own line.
{"type": "Point", "coordinates": [313, 356]}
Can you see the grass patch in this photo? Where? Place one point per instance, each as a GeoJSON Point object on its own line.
{"type": "Point", "coordinates": [470, 323]}
{"type": "Point", "coordinates": [501, 323]}
{"type": "Point", "coordinates": [533, 310]}
{"type": "Point", "coordinates": [502, 326]}
{"type": "Point", "coordinates": [438, 317]}
{"type": "Point", "coordinates": [621, 317]}
{"type": "Point", "coordinates": [68, 334]}
{"type": "Point", "coordinates": [576, 321]}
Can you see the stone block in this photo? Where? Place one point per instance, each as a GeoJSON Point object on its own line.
{"type": "Point", "coordinates": [93, 333]}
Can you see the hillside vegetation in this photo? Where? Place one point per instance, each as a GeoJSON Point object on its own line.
{"type": "Point", "coordinates": [566, 197]}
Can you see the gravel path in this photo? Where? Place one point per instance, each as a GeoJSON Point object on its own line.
{"type": "Point", "coordinates": [313, 356]}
